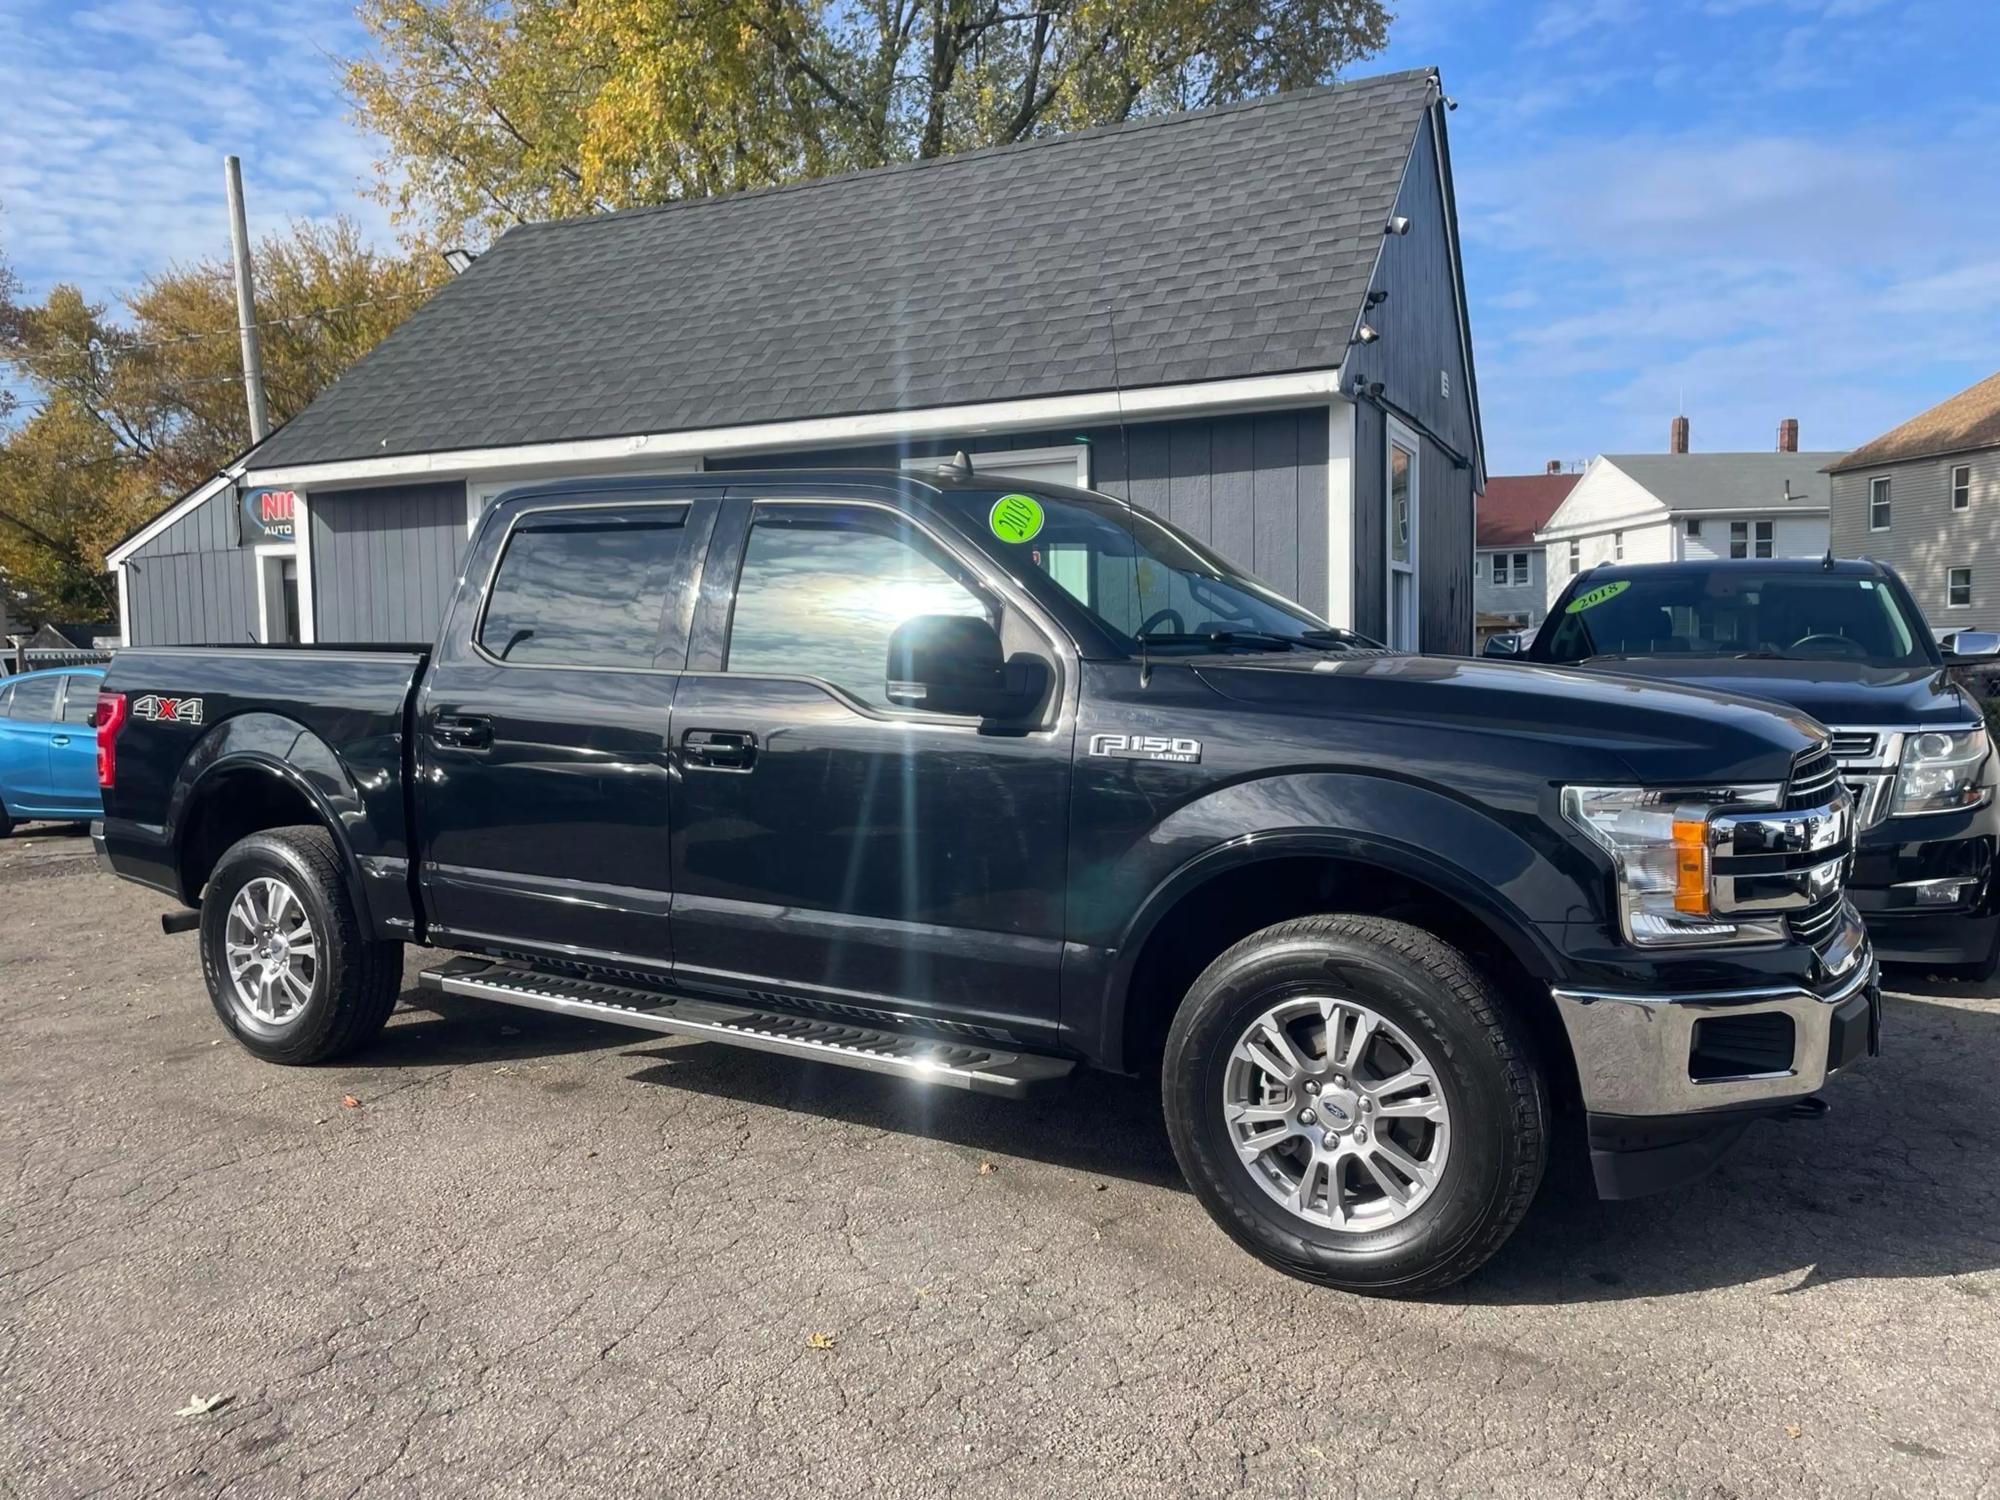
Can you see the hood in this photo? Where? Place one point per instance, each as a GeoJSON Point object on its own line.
{"type": "Point", "coordinates": [1847, 694]}
{"type": "Point", "coordinates": [1651, 733]}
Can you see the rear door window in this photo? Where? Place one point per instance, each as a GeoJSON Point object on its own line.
{"type": "Point", "coordinates": [80, 702]}
{"type": "Point", "coordinates": [35, 700]}
{"type": "Point", "coordinates": [584, 587]}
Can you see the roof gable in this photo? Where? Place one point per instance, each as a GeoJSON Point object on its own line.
{"type": "Point", "coordinates": [1969, 420]}
{"type": "Point", "coordinates": [1232, 242]}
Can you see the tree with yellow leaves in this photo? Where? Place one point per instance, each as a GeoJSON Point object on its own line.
{"type": "Point", "coordinates": [500, 113]}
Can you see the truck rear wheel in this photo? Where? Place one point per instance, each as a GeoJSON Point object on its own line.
{"type": "Point", "coordinates": [1352, 1103]}
{"type": "Point", "coordinates": [288, 969]}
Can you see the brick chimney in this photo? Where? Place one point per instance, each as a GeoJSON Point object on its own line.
{"type": "Point", "coordinates": [1788, 435]}
{"type": "Point", "coordinates": [1555, 466]}
{"type": "Point", "coordinates": [1677, 436]}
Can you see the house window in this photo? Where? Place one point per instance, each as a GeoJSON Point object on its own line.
{"type": "Point", "coordinates": [1499, 570]}
{"type": "Point", "coordinates": [1575, 557]}
{"type": "Point", "coordinates": [1878, 504]}
{"type": "Point", "coordinates": [1961, 486]}
{"type": "Point", "coordinates": [1520, 568]}
{"type": "Point", "coordinates": [1958, 588]}
{"type": "Point", "coordinates": [1693, 528]}
{"type": "Point", "coordinates": [1618, 546]}
{"type": "Point", "coordinates": [1763, 538]}
{"type": "Point", "coordinates": [1739, 538]}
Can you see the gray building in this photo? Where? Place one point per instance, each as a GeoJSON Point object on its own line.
{"type": "Point", "coordinates": [1925, 498]}
{"type": "Point", "coordinates": [1250, 320]}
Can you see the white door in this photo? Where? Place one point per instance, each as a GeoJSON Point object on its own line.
{"type": "Point", "coordinates": [1402, 490]}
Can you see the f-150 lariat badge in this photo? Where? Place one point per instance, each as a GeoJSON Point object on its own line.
{"type": "Point", "coordinates": [1146, 747]}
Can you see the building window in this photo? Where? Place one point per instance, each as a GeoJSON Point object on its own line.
{"type": "Point", "coordinates": [1958, 588]}
{"type": "Point", "coordinates": [1878, 504]}
{"type": "Point", "coordinates": [1499, 570]}
{"type": "Point", "coordinates": [1693, 528]}
{"type": "Point", "coordinates": [1763, 538]}
{"type": "Point", "coordinates": [1961, 486]}
{"type": "Point", "coordinates": [1520, 569]}
{"type": "Point", "coordinates": [1575, 557]}
{"type": "Point", "coordinates": [1739, 538]}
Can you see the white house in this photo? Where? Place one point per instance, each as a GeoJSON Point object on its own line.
{"type": "Point", "coordinates": [1664, 507]}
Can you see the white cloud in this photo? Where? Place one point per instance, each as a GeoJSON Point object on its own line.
{"type": "Point", "coordinates": [116, 118]}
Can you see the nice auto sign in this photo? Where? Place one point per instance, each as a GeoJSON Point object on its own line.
{"type": "Point", "coordinates": [267, 515]}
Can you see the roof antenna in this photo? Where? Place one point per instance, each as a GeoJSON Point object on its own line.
{"type": "Point", "coordinates": [1827, 561]}
{"type": "Point", "coordinates": [960, 466]}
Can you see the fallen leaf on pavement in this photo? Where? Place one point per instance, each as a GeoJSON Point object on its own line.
{"type": "Point", "coordinates": [987, 1169]}
{"type": "Point", "coordinates": [200, 1405]}
{"type": "Point", "coordinates": [348, 1101]}
{"type": "Point", "coordinates": [821, 1341]}
{"type": "Point", "coordinates": [1793, 1430]}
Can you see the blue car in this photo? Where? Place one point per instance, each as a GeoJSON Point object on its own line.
{"type": "Point", "coordinates": [48, 749]}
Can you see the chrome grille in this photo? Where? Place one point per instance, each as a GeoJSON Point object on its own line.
{"type": "Point", "coordinates": [1868, 765]}
{"type": "Point", "coordinates": [1817, 922]}
{"type": "Point", "coordinates": [1854, 744]}
{"type": "Point", "coordinates": [1814, 776]}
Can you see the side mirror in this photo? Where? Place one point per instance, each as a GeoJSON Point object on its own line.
{"type": "Point", "coordinates": [1501, 645]}
{"type": "Point", "coordinates": [950, 664]}
{"type": "Point", "coordinates": [1974, 645]}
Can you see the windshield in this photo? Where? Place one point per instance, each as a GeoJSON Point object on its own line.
{"type": "Point", "coordinates": [1141, 577]}
{"type": "Point", "coordinates": [1736, 612]}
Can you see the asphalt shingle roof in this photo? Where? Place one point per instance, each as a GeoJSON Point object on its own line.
{"type": "Point", "coordinates": [1958, 424]}
{"type": "Point", "coordinates": [1236, 241]}
{"type": "Point", "coordinates": [1516, 506]}
{"type": "Point", "coordinates": [1729, 481]}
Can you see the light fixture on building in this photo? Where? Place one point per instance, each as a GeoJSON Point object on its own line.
{"type": "Point", "coordinates": [459, 259]}
{"type": "Point", "coordinates": [1364, 335]}
{"type": "Point", "coordinates": [1377, 297]}
{"type": "Point", "coordinates": [1398, 224]}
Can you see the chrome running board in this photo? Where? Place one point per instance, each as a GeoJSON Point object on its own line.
{"type": "Point", "coordinates": [905, 1054]}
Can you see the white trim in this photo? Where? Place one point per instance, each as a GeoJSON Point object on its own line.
{"type": "Point", "coordinates": [302, 538]}
{"type": "Point", "coordinates": [1888, 499]}
{"type": "Point", "coordinates": [124, 605]}
{"type": "Point", "coordinates": [823, 432]}
{"type": "Point", "coordinates": [263, 555]}
{"type": "Point", "coordinates": [1340, 460]}
{"type": "Point", "coordinates": [194, 497]}
{"type": "Point", "coordinates": [997, 460]}
{"type": "Point", "coordinates": [1967, 571]}
{"type": "Point", "coordinates": [1399, 434]}
{"type": "Point", "coordinates": [1951, 473]}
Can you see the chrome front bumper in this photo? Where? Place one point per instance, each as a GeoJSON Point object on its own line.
{"type": "Point", "coordinates": [1634, 1051]}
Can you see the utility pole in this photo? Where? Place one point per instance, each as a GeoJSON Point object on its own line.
{"type": "Point", "coordinates": [246, 306]}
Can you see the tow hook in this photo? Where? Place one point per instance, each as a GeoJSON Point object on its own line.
{"type": "Point", "coordinates": [1812, 1107]}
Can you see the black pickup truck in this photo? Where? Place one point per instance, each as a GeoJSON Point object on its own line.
{"type": "Point", "coordinates": [977, 782]}
{"type": "Point", "coordinates": [1843, 641]}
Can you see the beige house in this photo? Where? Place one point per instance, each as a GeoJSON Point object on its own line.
{"type": "Point", "coordinates": [1925, 498]}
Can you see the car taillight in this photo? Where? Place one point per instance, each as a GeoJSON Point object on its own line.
{"type": "Point", "coordinates": [110, 719]}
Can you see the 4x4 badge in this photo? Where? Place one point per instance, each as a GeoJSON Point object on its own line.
{"type": "Point", "coordinates": [154, 708]}
{"type": "Point", "coordinates": [1146, 747]}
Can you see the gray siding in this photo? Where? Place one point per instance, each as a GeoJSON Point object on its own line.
{"type": "Point", "coordinates": [1926, 537]}
{"type": "Point", "coordinates": [1508, 600]}
{"type": "Point", "coordinates": [1252, 486]}
{"type": "Point", "coordinates": [1444, 555]}
{"type": "Point", "coordinates": [192, 584]}
{"type": "Point", "coordinates": [1418, 323]}
{"type": "Point", "coordinates": [385, 561]}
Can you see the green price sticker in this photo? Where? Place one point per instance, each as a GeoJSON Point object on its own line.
{"type": "Point", "coordinates": [1597, 596]}
{"type": "Point", "coordinates": [1016, 518]}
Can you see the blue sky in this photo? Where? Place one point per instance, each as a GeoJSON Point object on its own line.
{"type": "Point", "coordinates": [1760, 208]}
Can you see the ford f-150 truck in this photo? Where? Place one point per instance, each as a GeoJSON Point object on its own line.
{"type": "Point", "coordinates": [978, 782]}
{"type": "Point", "coordinates": [1844, 642]}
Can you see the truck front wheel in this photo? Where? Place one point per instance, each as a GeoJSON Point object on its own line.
{"type": "Point", "coordinates": [288, 968]}
{"type": "Point", "coordinates": [1352, 1103]}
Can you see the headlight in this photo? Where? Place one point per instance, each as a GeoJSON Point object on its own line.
{"type": "Point", "coordinates": [1940, 772]}
{"type": "Point", "coordinates": [1660, 843]}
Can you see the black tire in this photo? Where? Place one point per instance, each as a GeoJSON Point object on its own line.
{"type": "Point", "coordinates": [6, 823]}
{"type": "Point", "coordinates": [355, 980]}
{"type": "Point", "coordinates": [1483, 1061]}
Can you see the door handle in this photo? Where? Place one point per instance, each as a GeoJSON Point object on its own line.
{"type": "Point", "coordinates": [719, 749]}
{"type": "Point", "coordinates": [58, 740]}
{"type": "Point", "coordinates": [461, 733]}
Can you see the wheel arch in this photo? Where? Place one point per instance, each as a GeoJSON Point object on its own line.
{"type": "Point", "coordinates": [238, 782]}
{"type": "Point", "coordinates": [1256, 881]}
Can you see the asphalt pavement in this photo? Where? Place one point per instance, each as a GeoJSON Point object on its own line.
{"type": "Point", "coordinates": [501, 1253]}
